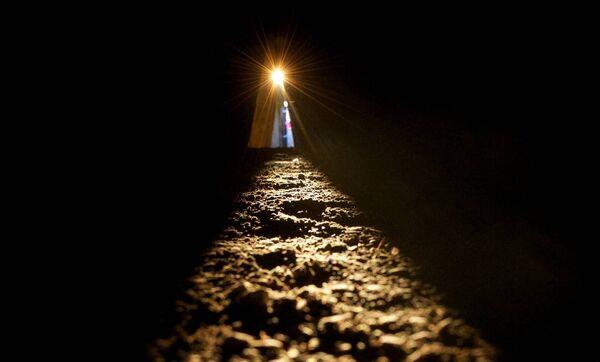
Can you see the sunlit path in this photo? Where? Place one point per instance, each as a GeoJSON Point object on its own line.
{"type": "Point", "coordinates": [300, 275]}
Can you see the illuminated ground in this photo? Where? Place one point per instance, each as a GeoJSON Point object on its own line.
{"type": "Point", "coordinates": [299, 275]}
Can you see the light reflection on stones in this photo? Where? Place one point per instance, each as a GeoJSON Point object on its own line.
{"type": "Point", "coordinates": [299, 275]}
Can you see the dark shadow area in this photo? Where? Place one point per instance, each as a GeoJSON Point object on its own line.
{"type": "Point", "coordinates": [168, 155]}
{"type": "Point", "coordinates": [456, 142]}
{"type": "Point", "coordinates": [510, 265]}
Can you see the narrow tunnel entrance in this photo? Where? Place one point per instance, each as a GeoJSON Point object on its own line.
{"type": "Point", "coordinates": [272, 120]}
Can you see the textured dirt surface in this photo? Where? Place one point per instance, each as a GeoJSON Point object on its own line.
{"type": "Point", "coordinates": [299, 275]}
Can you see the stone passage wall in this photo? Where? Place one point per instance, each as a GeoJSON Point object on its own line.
{"type": "Point", "coordinates": [299, 275]}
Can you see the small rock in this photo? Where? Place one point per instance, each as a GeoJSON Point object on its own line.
{"type": "Point", "coordinates": [249, 305]}
{"type": "Point", "coordinates": [313, 344]}
{"type": "Point", "coordinates": [236, 343]}
{"type": "Point", "coordinates": [327, 322]}
{"type": "Point", "coordinates": [392, 346]}
{"type": "Point", "coordinates": [311, 272]}
{"type": "Point", "coordinates": [267, 343]}
{"type": "Point", "coordinates": [342, 346]}
{"type": "Point", "coordinates": [275, 258]}
{"type": "Point", "coordinates": [340, 286]}
{"type": "Point", "coordinates": [334, 247]}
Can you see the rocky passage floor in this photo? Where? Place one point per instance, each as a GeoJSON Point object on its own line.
{"type": "Point", "coordinates": [299, 275]}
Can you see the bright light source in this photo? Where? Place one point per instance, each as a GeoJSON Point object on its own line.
{"type": "Point", "coordinates": [277, 77]}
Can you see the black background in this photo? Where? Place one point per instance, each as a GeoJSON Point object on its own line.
{"type": "Point", "coordinates": [453, 125]}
